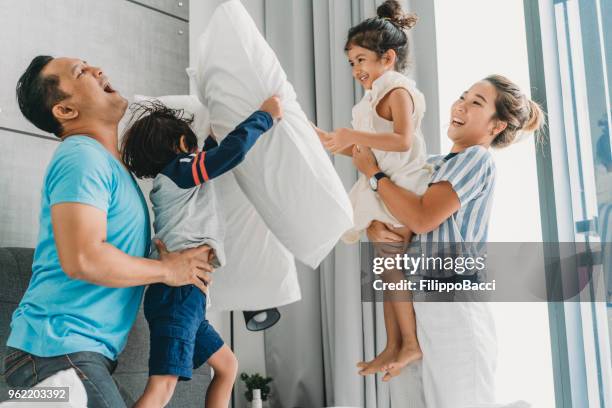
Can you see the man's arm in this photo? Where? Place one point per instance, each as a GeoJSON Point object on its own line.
{"type": "Point", "coordinates": [80, 237]}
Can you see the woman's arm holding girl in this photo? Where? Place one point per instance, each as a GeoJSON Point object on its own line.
{"type": "Point", "coordinates": [419, 213]}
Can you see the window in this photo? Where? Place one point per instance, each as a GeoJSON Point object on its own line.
{"type": "Point", "coordinates": [474, 40]}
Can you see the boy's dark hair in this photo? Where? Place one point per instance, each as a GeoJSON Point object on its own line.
{"type": "Point", "coordinates": [36, 95]}
{"type": "Point", "coordinates": [386, 31]}
{"type": "Point", "coordinates": [153, 138]}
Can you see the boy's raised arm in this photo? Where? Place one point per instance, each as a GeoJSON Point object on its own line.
{"type": "Point", "coordinates": [190, 170]}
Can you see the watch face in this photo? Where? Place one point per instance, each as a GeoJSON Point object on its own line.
{"type": "Point", "coordinates": [373, 183]}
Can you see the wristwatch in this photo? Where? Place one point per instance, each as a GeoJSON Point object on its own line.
{"type": "Point", "coordinates": [374, 180]}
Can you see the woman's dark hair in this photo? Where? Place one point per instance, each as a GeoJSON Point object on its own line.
{"type": "Point", "coordinates": [386, 31]}
{"type": "Point", "coordinates": [154, 136]}
{"type": "Point", "coordinates": [37, 94]}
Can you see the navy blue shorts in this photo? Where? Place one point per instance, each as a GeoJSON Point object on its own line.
{"type": "Point", "coordinates": [181, 337]}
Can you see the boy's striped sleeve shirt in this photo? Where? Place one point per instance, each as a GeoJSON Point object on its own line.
{"type": "Point", "coordinates": [190, 170]}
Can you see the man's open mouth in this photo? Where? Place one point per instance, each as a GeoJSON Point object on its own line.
{"type": "Point", "coordinates": [108, 88]}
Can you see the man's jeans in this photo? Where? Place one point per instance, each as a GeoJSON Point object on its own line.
{"type": "Point", "coordinates": [24, 370]}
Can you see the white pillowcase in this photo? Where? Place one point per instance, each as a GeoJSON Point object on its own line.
{"type": "Point", "coordinates": [287, 175]}
{"type": "Point", "coordinates": [260, 272]}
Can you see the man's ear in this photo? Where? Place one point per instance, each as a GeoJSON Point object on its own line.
{"type": "Point", "coordinates": [64, 112]}
{"type": "Point", "coordinates": [389, 58]}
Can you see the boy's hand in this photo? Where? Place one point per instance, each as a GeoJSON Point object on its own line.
{"type": "Point", "coordinates": [273, 106]}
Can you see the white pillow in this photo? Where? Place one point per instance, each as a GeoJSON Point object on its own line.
{"type": "Point", "coordinates": [260, 272]}
{"type": "Point", "coordinates": [287, 175]}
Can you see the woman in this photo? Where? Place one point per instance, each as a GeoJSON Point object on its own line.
{"type": "Point", "coordinates": [457, 339]}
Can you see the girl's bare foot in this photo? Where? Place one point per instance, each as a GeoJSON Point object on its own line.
{"type": "Point", "coordinates": [386, 357]}
{"type": "Point", "coordinates": [407, 354]}
{"type": "Point", "coordinates": [394, 372]}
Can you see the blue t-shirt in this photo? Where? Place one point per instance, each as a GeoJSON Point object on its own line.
{"type": "Point", "coordinates": [58, 314]}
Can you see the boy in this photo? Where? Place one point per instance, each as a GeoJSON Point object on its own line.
{"type": "Point", "coordinates": [161, 145]}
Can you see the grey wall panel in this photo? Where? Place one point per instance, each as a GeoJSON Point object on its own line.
{"type": "Point", "coordinates": [141, 50]}
{"type": "Point", "coordinates": [178, 8]}
{"type": "Point", "coordinates": [24, 159]}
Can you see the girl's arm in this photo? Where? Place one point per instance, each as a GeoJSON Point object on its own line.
{"type": "Point", "coordinates": [419, 213]}
{"type": "Point", "coordinates": [399, 111]}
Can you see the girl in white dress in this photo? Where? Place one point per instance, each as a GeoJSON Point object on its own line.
{"type": "Point", "coordinates": [387, 120]}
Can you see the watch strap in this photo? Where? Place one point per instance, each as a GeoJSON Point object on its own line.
{"type": "Point", "coordinates": [380, 175]}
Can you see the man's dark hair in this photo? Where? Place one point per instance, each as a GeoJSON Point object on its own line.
{"type": "Point", "coordinates": [38, 93]}
{"type": "Point", "coordinates": [153, 139]}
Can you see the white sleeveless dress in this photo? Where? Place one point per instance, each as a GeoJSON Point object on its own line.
{"type": "Point", "coordinates": [408, 170]}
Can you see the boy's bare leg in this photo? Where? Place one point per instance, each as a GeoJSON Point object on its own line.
{"type": "Point", "coordinates": [158, 391]}
{"type": "Point", "coordinates": [225, 367]}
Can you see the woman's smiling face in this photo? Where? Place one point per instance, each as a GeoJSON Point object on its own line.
{"type": "Point", "coordinates": [472, 116]}
{"type": "Point", "coordinates": [367, 66]}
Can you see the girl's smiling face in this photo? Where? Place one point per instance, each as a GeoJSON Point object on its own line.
{"type": "Point", "coordinates": [473, 120]}
{"type": "Point", "coordinates": [367, 66]}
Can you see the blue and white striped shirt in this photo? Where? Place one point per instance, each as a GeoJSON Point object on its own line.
{"type": "Point", "coordinates": [471, 174]}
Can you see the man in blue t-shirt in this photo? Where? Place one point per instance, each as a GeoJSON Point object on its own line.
{"type": "Point", "coordinates": [89, 268]}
